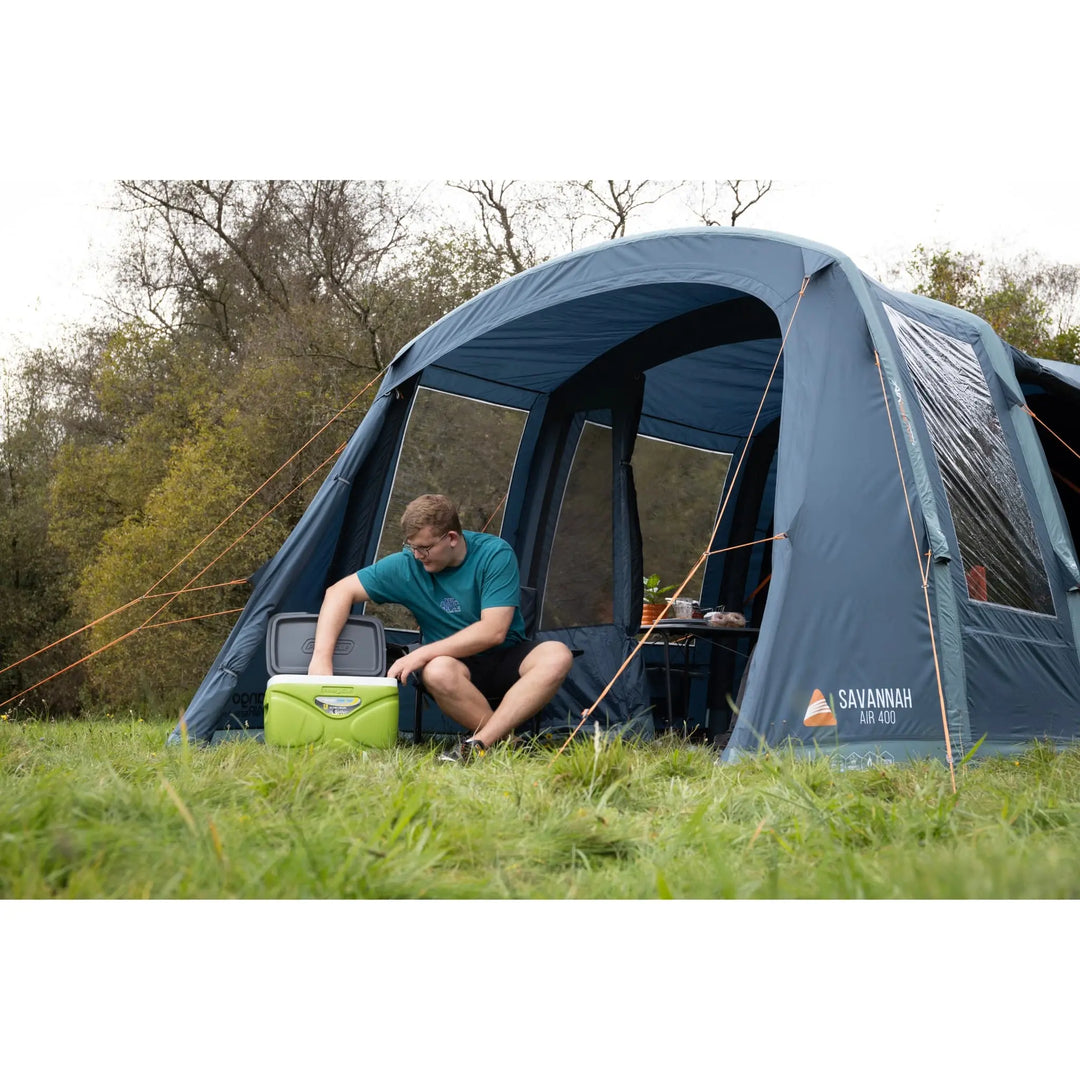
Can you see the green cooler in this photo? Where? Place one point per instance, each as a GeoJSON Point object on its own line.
{"type": "Point", "coordinates": [356, 706]}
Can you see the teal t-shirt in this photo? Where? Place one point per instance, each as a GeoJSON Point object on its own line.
{"type": "Point", "coordinates": [452, 599]}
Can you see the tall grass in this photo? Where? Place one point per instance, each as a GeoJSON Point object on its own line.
{"type": "Point", "coordinates": [103, 809]}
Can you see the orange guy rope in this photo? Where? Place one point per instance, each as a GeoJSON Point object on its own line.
{"type": "Point", "coordinates": [322, 465]}
{"type": "Point", "coordinates": [924, 575]}
{"type": "Point", "coordinates": [761, 585]}
{"type": "Point", "coordinates": [586, 713]}
{"type": "Point", "coordinates": [494, 512]}
{"type": "Point", "coordinates": [288, 461]}
{"type": "Point", "coordinates": [109, 645]}
{"type": "Point", "coordinates": [149, 594]}
{"type": "Point", "coordinates": [1027, 409]}
{"type": "Point", "coordinates": [187, 588]}
{"type": "Point", "coordinates": [193, 618]}
{"type": "Point", "coordinates": [348, 405]}
{"type": "Point", "coordinates": [147, 623]}
{"type": "Point", "coordinates": [1065, 480]}
{"type": "Point", "coordinates": [124, 607]}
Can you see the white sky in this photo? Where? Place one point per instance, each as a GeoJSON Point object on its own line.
{"type": "Point", "coordinates": [942, 122]}
{"type": "Point", "coordinates": [59, 234]}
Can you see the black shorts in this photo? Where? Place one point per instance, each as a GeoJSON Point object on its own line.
{"type": "Point", "coordinates": [495, 671]}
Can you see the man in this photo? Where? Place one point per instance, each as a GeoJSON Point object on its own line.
{"type": "Point", "coordinates": [464, 590]}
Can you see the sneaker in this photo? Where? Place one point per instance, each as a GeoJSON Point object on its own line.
{"type": "Point", "coordinates": [467, 750]}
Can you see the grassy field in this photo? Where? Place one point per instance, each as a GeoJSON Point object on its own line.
{"type": "Point", "coordinates": [103, 810]}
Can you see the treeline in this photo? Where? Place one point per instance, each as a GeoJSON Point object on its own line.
{"type": "Point", "coordinates": [172, 445]}
{"type": "Point", "coordinates": [245, 319]}
{"type": "Point", "coordinates": [1029, 302]}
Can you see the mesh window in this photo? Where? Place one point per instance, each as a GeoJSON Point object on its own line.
{"type": "Point", "coordinates": [678, 492]}
{"type": "Point", "coordinates": [454, 446]}
{"type": "Point", "coordinates": [1002, 560]}
{"type": "Point", "coordinates": [579, 584]}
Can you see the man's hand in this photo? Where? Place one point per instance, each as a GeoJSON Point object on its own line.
{"type": "Point", "coordinates": [486, 633]}
{"type": "Point", "coordinates": [405, 665]}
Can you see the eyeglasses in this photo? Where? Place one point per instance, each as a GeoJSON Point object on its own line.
{"type": "Point", "coordinates": [424, 552]}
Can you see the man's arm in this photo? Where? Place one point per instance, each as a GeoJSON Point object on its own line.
{"type": "Point", "coordinates": [489, 631]}
{"type": "Point", "coordinates": [336, 605]}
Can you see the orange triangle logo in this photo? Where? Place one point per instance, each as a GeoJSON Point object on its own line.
{"type": "Point", "coordinates": [818, 713]}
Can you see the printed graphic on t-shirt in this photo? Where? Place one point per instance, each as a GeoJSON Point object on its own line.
{"type": "Point", "coordinates": [450, 604]}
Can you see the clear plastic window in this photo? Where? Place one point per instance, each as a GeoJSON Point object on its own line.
{"type": "Point", "coordinates": [1002, 560]}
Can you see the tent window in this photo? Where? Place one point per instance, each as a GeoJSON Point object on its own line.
{"type": "Point", "coordinates": [1001, 557]}
{"type": "Point", "coordinates": [579, 583]}
{"type": "Point", "coordinates": [455, 446]}
{"type": "Point", "coordinates": [678, 492]}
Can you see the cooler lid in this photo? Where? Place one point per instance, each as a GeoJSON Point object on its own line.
{"type": "Point", "coordinates": [360, 650]}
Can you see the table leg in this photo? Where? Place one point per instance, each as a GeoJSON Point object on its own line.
{"type": "Point", "coordinates": [667, 684]}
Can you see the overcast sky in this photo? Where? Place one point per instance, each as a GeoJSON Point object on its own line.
{"type": "Point", "coordinates": [941, 122]}
{"type": "Point", "coordinates": [59, 235]}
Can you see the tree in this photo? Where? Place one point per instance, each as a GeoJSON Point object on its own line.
{"type": "Point", "coordinates": [163, 548]}
{"type": "Point", "coordinates": [522, 224]}
{"type": "Point", "coordinates": [213, 255]}
{"type": "Point", "coordinates": [177, 428]}
{"type": "Point", "coordinates": [730, 198]}
{"type": "Point", "coordinates": [141, 391]}
{"type": "Point", "coordinates": [514, 220]}
{"type": "Point", "coordinates": [247, 316]}
{"type": "Point", "coordinates": [34, 578]}
{"type": "Point", "coordinates": [1030, 303]}
{"type": "Point", "coordinates": [617, 200]}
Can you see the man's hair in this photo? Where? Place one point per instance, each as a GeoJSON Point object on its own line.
{"type": "Point", "coordinates": [435, 510]}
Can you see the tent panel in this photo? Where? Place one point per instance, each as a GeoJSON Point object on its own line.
{"type": "Point", "coordinates": [1021, 688]}
{"type": "Point", "coordinates": [768, 266]}
{"type": "Point", "coordinates": [845, 622]}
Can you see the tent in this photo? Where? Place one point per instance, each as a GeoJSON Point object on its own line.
{"type": "Point", "coordinates": [892, 521]}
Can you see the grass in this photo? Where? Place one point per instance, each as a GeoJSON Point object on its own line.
{"type": "Point", "coordinates": [102, 809]}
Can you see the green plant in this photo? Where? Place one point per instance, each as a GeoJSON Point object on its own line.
{"type": "Point", "coordinates": [653, 591]}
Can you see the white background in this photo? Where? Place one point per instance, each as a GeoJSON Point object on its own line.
{"type": "Point", "coordinates": [943, 122]}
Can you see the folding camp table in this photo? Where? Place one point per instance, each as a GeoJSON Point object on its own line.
{"type": "Point", "coordinates": [671, 629]}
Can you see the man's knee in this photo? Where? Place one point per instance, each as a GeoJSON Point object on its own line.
{"type": "Point", "coordinates": [550, 659]}
{"type": "Point", "coordinates": [564, 659]}
{"type": "Point", "coordinates": [443, 673]}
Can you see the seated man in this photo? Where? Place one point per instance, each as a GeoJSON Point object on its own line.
{"type": "Point", "coordinates": [464, 590]}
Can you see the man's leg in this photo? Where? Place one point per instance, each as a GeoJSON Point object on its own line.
{"type": "Point", "coordinates": [448, 681]}
{"type": "Point", "coordinates": [542, 673]}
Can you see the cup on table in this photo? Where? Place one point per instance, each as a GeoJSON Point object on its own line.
{"type": "Point", "coordinates": [683, 607]}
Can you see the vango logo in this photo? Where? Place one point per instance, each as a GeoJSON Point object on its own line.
{"type": "Point", "coordinates": [818, 713]}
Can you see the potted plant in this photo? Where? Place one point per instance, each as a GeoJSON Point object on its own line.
{"type": "Point", "coordinates": [652, 596]}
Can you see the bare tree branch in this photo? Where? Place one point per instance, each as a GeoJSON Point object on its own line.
{"type": "Point", "coordinates": [622, 198]}
{"type": "Point", "coordinates": [497, 217]}
{"type": "Point", "coordinates": [711, 203]}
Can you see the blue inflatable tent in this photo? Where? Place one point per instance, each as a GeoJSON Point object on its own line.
{"type": "Point", "coordinates": [895, 524]}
